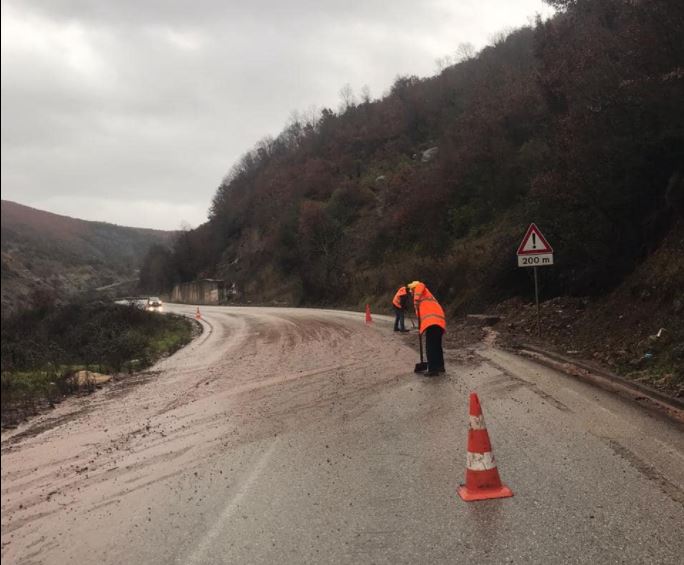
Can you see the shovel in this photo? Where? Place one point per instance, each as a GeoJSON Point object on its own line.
{"type": "Point", "coordinates": [422, 366]}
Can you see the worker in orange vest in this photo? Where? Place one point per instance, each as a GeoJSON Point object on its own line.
{"type": "Point", "coordinates": [432, 323]}
{"type": "Point", "coordinates": [400, 303]}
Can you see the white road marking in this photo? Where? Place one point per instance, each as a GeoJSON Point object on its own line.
{"type": "Point", "coordinates": [198, 556]}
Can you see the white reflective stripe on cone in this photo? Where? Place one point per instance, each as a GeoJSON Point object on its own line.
{"type": "Point", "coordinates": [477, 423]}
{"type": "Point", "coordinates": [480, 461]}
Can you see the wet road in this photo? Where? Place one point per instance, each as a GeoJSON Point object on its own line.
{"type": "Point", "coordinates": [303, 436]}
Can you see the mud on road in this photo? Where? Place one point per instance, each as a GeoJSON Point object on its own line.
{"type": "Point", "coordinates": [283, 435]}
{"type": "Point", "coordinates": [251, 375]}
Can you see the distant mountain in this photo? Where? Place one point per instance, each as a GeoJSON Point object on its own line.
{"type": "Point", "coordinates": [48, 255]}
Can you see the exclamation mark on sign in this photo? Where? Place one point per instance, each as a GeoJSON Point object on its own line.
{"type": "Point", "coordinates": [534, 240]}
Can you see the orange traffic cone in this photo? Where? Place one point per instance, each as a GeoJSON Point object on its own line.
{"type": "Point", "coordinates": [482, 476]}
{"type": "Point", "coordinates": [369, 320]}
{"type": "Point", "coordinates": [198, 316]}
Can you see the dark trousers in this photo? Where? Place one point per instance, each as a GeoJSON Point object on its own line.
{"type": "Point", "coordinates": [399, 319]}
{"type": "Point", "coordinates": [433, 348]}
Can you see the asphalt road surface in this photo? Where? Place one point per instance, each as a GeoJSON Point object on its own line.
{"type": "Point", "coordinates": [303, 436]}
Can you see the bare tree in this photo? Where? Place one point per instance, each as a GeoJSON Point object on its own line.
{"type": "Point", "coordinates": [294, 119]}
{"type": "Point", "coordinates": [311, 116]}
{"type": "Point", "coordinates": [365, 94]}
{"type": "Point", "coordinates": [347, 98]}
{"type": "Point", "coordinates": [443, 62]}
{"type": "Point", "coordinates": [500, 37]}
{"type": "Point", "coordinates": [465, 52]}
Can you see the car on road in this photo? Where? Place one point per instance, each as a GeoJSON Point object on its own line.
{"type": "Point", "coordinates": [154, 303]}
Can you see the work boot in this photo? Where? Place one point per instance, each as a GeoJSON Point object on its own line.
{"type": "Point", "coordinates": [404, 331]}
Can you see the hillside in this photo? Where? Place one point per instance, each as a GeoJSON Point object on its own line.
{"type": "Point", "coordinates": [575, 123]}
{"type": "Point", "coordinates": [48, 255]}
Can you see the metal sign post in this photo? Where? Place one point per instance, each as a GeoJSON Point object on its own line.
{"type": "Point", "coordinates": [534, 251]}
{"type": "Point", "coordinates": [536, 299]}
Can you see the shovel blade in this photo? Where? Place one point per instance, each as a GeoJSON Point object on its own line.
{"type": "Point", "coordinates": [420, 367]}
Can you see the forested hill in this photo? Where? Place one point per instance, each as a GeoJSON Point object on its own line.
{"type": "Point", "coordinates": [576, 123]}
{"type": "Point", "coordinates": [47, 256]}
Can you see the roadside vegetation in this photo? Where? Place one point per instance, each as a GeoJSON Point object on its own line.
{"type": "Point", "coordinates": [43, 347]}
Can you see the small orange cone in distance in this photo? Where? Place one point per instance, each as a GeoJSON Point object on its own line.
{"type": "Point", "coordinates": [482, 476]}
{"type": "Point", "coordinates": [198, 316]}
{"type": "Point", "coordinates": [369, 320]}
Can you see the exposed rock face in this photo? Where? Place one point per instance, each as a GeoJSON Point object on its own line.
{"type": "Point", "coordinates": [429, 154]}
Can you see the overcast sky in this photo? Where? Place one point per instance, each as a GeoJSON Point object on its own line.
{"type": "Point", "coordinates": [132, 111]}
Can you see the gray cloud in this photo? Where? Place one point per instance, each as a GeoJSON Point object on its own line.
{"type": "Point", "coordinates": [132, 112]}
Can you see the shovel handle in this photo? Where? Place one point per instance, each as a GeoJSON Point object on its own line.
{"type": "Point", "coordinates": [420, 342]}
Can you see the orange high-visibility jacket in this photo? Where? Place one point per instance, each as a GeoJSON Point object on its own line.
{"type": "Point", "coordinates": [397, 297]}
{"type": "Point", "coordinates": [428, 310]}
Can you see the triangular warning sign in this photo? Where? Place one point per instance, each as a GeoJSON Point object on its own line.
{"type": "Point", "coordinates": [534, 242]}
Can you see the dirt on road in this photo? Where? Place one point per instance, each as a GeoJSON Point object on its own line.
{"type": "Point", "coordinates": [252, 375]}
{"type": "Point", "coordinates": [303, 436]}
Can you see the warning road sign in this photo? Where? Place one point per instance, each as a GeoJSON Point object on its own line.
{"type": "Point", "coordinates": [534, 242]}
{"type": "Point", "coordinates": [534, 250]}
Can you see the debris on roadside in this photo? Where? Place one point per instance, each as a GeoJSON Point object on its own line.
{"type": "Point", "coordinates": [88, 379]}
{"type": "Point", "coordinates": [616, 338]}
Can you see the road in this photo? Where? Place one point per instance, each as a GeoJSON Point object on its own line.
{"type": "Point", "coordinates": [303, 436]}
